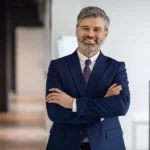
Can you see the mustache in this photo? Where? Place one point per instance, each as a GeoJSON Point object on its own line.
{"type": "Point", "coordinates": [89, 37]}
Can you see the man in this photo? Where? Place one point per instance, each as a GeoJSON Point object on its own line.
{"type": "Point", "coordinates": [87, 91]}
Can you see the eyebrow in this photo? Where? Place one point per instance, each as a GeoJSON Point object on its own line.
{"type": "Point", "coordinates": [84, 26]}
{"type": "Point", "coordinates": [88, 27]}
{"type": "Point", "coordinates": [98, 28]}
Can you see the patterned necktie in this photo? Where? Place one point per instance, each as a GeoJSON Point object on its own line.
{"type": "Point", "coordinates": [87, 71]}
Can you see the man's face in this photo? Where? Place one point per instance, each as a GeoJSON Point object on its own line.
{"type": "Point", "coordinates": [91, 34]}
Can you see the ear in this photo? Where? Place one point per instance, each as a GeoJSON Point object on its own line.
{"type": "Point", "coordinates": [106, 34]}
{"type": "Point", "coordinates": [76, 30]}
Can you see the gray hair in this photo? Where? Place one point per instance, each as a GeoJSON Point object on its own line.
{"type": "Point", "coordinates": [94, 12]}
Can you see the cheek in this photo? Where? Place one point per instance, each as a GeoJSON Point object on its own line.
{"type": "Point", "coordinates": [77, 32]}
{"type": "Point", "coordinates": [81, 36]}
{"type": "Point", "coordinates": [101, 37]}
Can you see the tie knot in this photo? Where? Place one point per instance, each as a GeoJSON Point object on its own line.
{"type": "Point", "coordinates": [87, 62]}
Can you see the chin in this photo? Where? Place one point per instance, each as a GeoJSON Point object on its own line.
{"type": "Point", "coordinates": [90, 49]}
{"type": "Point", "coordinates": [88, 43]}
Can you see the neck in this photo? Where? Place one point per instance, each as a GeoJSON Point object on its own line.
{"type": "Point", "coordinates": [88, 53]}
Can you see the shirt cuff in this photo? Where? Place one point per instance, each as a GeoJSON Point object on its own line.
{"type": "Point", "coordinates": [74, 106]}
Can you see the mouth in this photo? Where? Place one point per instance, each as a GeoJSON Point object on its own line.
{"type": "Point", "coordinates": [89, 41]}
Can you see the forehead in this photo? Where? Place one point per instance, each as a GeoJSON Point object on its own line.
{"type": "Point", "coordinates": [92, 22]}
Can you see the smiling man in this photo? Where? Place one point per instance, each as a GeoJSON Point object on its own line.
{"type": "Point", "coordinates": [86, 91]}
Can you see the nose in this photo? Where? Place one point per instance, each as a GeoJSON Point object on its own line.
{"type": "Point", "coordinates": [90, 33]}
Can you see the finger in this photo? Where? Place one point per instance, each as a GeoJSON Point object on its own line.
{"type": "Point", "coordinates": [112, 86]}
{"type": "Point", "coordinates": [116, 93]}
{"type": "Point", "coordinates": [54, 101]}
{"type": "Point", "coordinates": [51, 94]}
{"type": "Point", "coordinates": [55, 90]}
{"type": "Point", "coordinates": [52, 98]}
{"type": "Point", "coordinates": [117, 89]}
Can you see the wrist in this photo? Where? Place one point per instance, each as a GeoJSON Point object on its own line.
{"type": "Point", "coordinates": [71, 103]}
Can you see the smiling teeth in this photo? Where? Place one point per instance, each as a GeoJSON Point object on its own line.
{"type": "Point", "coordinates": [89, 40]}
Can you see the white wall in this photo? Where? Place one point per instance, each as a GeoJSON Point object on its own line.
{"type": "Point", "coordinates": [128, 41]}
{"type": "Point", "coordinates": [64, 15]}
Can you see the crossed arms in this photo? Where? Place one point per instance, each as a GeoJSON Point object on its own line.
{"type": "Point", "coordinates": [59, 105]}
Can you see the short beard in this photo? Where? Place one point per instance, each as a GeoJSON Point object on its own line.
{"type": "Point", "coordinates": [88, 48]}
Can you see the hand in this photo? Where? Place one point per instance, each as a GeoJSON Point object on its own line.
{"type": "Point", "coordinates": [113, 90]}
{"type": "Point", "coordinates": [59, 97]}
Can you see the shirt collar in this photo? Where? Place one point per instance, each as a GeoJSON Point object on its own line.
{"type": "Point", "coordinates": [84, 58]}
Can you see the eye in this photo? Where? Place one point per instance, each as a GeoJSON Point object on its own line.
{"type": "Point", "coordinates": [85, 28]}
{"type": "Point", "coordinates": [97, 30]}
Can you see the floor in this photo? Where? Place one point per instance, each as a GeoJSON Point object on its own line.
{"type": "Point", "coordinates": [23, 130]}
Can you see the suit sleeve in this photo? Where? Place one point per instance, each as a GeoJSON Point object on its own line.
{"type": "Point", "coordinates": [112, 106]}
{"type": "Point", "coordinates": [57, 113]}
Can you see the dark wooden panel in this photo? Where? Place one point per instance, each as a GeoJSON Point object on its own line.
{"type": "Point", "coordinates": [3, 58]}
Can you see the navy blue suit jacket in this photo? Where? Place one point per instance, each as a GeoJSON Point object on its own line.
{"type": "Point", "coordinates": [70, 128]}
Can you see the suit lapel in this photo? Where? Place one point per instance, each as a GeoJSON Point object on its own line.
{"type": "Point", "coordinates": [97, 72]}
{"type": "Point", "coordinates": [76, 72]}
{"type": "Point", "coordinates": [75, 69]}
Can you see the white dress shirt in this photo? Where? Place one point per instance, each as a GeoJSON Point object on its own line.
{"type": "Point", "coordinates": [82, 60]}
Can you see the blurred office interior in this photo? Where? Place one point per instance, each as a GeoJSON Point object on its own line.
{"type": "Point", "coordinates": [33, 32]}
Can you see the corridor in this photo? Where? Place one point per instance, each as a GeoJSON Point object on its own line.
{"type": "Point", "coordinates": [23, 130]}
